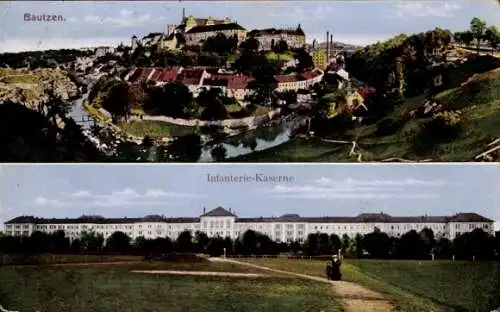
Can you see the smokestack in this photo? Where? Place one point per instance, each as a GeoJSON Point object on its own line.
{"type": "Point", "coordinates": [204, 210]}
{"type": "Point", "coordinates": [331, 43]}
{"type": "Point", "coordinates": [183, 14]}
{"type": "Point", "coordinates": [327, 45]}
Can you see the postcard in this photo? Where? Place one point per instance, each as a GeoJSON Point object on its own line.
{"type": "Point", "coordinates": [312, 237]}
{"type": "Point", "coordinates": [250, 81]}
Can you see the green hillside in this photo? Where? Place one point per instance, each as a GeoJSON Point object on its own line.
{"type": "Point", "coordinates": [464, 121]}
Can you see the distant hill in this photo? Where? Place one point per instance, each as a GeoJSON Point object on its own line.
{"type": "Point", "coordinates": [338, 45]}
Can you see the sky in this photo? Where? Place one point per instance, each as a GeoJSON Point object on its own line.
{"type": "Point", "coordinates": [308, 190]}
{"type": "Point", "coordinates": [89, 23]}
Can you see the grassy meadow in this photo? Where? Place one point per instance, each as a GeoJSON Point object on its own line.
{"type": "Point", "coordinates": [415, 286]}
{"type": "Point", "coordinates": [112, 287]}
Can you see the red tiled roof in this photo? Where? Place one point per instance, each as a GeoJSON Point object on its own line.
{"type": "Point", "coordinates": [190, 76]}
{"type": "Point", "coordinates": [157, 73]}
{"type": "Point", "coordinates": [135, 73]}
{"type": "Point", "coordinates": [145, 71]}
{"type": "Point", "coordinates": [239, 82]}
{"type": "Point", "coordinates": [168, 74]}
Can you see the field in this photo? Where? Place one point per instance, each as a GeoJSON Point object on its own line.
{"type": "Point", "coordinates": [113, 287]}
{"type": "Point", "coordinates": [415, 285]}
{"type": "Point", "coordinates": [155, 129]}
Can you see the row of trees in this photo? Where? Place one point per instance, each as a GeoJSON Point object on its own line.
{"type": "Point", "coordinates": [411, 245]}
{"type": "Point", "coordinates": [41, 59]}
{"type": "Point", "coordinates": [479, 32]}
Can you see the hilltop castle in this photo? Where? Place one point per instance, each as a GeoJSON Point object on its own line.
{"type": "Point", "coordinates": [193, 31]}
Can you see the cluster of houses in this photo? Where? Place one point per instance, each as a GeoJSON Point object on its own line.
{"type": "Point", "coordinates": [234, 85]}
{"type": "Point", "coordinates": [225, 223]}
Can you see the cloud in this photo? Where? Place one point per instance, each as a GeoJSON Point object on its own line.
{"type": "Point", "coordinates": [125, 18]}
{"type": "Point", "coordinates": [296, 13]}
{"type": "Point", "coordinates": [425, 9]}
{"type": "Point", "coordinates": [41, 201]}
{"type": "Point", "coordinates": [125, 197]}
{"type": "Point", "coordinates": [326, 188]}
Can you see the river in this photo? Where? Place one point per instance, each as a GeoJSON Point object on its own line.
{"type": "Point", "coordinates": [243, 144]}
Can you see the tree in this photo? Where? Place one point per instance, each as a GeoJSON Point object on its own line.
{"type": "Point", "coordinates": [492, 35]}
{"type": "Point", "coordinates": [250, 45]}
{"type": "Point", "coordinates": [118, 242]}
{"type": "Point", "coordinates": [305, 60]}
{"type": "Point", "coordinates": [467, 37]}
{"type": "Point", "coordinates": [185, 241]}
{"type": "Point", "coordinates": [478, 28]}
{"type": "Point", "coordinates": [280, 47]}
{"type": "Point", "coordinates": [91, 242]}
{"type": "Point", "coordinates": [185, 148]}
{"type": "Point", "coordinates": [172, 99]}
{"type": "Point", "coordinates": [219, 153]}
{"type": "Point", "coordinates": [212, 100]}
{"type": "Point", "coordinates": [377, 244]}
{"type": "Point", "coordinates": [346, 243]}
{"type": "Point", "coordinates": [201, 241]}
{"type": "Point", "coordinates": [61, 243]}
{"type": "Point", "coordinates": [117, 101]}
{"type": "Point", "coordinates": [249, 243]}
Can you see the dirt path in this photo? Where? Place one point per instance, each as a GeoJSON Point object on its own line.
{"type": "Point", "coordinates": [199, 273]}
{"type": "Point", "coordinates": [355, 298]}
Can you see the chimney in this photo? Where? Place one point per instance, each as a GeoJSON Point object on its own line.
{"type": "Point", "coordinates": [331, 43]}
{"type": "Point", "coordinates": [229, 209]}
{"type": "Point", "coordinates": [183, 14]}
{"type": "Point", "coordinates": [327, 45]}
{"type": "Point", "coordinates": [204, 210]}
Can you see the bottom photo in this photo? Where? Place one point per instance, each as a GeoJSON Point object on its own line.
{"type": "Point", "coordinates": [247, 238]}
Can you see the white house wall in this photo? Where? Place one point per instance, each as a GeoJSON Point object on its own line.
{"type": "Point", "coordinates": [229, 226]}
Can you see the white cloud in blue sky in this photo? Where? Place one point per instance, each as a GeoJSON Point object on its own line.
{"type": "Point", "coordinates": [103, 23]}
{"type": "Point", "coordinates": [183, 190]}
{"type": "Point", "coordinates": [326, 188]}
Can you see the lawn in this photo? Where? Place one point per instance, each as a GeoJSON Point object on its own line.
{"type": "Point", "coordinates": [69, 258]}
{"type": "Point", "coordinates": [114, 288]}
{"type": "Point", "coordinates": [156, 129]}
{"type": "Point", "coordinates": [421, 286]}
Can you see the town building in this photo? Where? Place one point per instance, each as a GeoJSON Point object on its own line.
{"type": "Point", "coordinates": [267, 38]}
{"type": "Point", "coordinates": [225, 223]}
{"type": "Point", "coordinates": [319, 58]}
{"type": "Point", "coordinates": [195, 31]}
{"type": "Point", "coordinates": [101, 51]}
{"type": "Point", "coordinates": [298, 81]}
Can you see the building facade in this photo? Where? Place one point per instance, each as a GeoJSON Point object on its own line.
{"type": "Point", "coordinates": [225, 223]}
{"type": "Point", "coordinates": [267, 38]}
{"type": "Point", "coordinates": [319, 58]}
{"type": "Point", "coordinates": [196, 30]}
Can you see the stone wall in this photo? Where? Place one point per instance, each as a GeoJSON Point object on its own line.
{"type": "Point", "coordinates": [251, 121]}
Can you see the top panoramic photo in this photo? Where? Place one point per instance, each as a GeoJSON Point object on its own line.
{"type": "Point", "coordinates": [241, 81]}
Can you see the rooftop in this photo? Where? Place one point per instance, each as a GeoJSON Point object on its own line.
{"type": "Point", "coordinates": [274, 31]}
{"type": "Point", "coordinates": [215, 27]}
{"type": "Point", "coordinates": [222, 212]}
